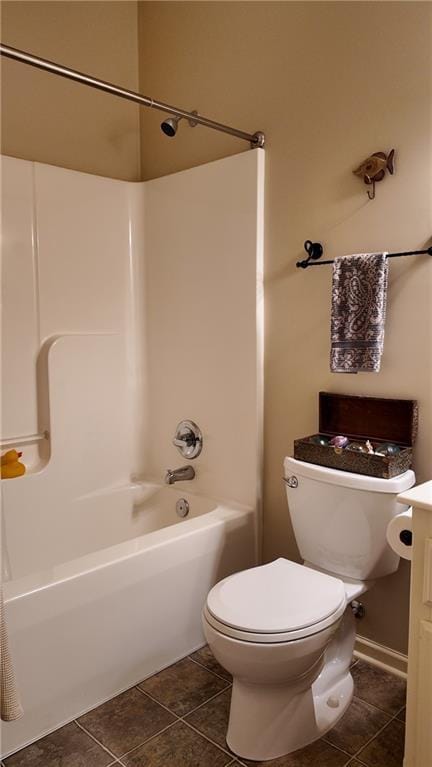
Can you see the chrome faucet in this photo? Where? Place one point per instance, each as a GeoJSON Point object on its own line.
{"type": "Point", "coordinates": [178, 475]}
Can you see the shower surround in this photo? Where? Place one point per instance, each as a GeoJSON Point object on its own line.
{"type": "Point", "coordinates": [127, 307]}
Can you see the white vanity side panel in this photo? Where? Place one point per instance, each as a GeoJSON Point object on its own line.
{"type": "Point", "coordinates": [20, 324]}
{"type": "Point", "coordinates": [427, 577]}
{"type": "Point", "coordinates": [418, 741]}
{"type": "Point", "coordinates": [424, 707]}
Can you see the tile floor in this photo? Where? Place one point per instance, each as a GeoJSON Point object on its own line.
{"type": "Point", "coordinates": [178, 718]}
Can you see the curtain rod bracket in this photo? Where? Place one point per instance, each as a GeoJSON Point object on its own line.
{"type": "Point", "coordinates": [258, 140]}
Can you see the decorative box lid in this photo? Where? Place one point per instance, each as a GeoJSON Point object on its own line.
{"type": "Point", "coordinates": [374, 418]}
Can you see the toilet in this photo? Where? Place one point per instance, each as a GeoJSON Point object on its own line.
{"type": "Point", "coordinates": [286, 631]}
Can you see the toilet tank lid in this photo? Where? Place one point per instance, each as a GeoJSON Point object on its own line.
{"type": "Point", "coordinates": [347, 478]}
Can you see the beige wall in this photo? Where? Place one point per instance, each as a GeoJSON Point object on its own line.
{"type": "Point", "coordinates": [52, 120]}
{"type": "Point", "coordinates": [329, 83]}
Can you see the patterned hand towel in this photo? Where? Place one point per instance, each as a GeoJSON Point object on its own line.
{"type": "Point", "coordinates": [10, 706]}
{"type": "Point", "coordinates": [359, 297]}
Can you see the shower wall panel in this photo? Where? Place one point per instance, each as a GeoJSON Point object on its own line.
{"type": "Point", "coordinates": [204, 321]}
{"type": "Point", "coordinates": [70, 326]}
{"type": "Point", "coordinates": [171, 271]}
{"type": "Point", "coordinates": [20, 333]}
{"type": "Point", "coordinates": [83, 234]}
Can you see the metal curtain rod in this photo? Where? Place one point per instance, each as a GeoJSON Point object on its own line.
{"type": "Point", "coordinates": [315, 251]}
{"type": "Point", "coordinates": [256, 139]}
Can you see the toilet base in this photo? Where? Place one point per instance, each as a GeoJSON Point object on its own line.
{"type": "Point", "coordinates": [256, 730]}
{"type": "Point", "coordinates": [271, 720]}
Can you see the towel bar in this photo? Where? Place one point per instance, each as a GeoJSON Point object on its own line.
{"type": "Point", "coordinates": [315, 251]}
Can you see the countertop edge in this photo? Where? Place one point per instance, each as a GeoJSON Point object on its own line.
{"type": "Point", "coordinates": [419, 496]}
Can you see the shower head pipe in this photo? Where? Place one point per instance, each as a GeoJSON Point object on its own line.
{"type": "Point", "coordinates": [255, 139]}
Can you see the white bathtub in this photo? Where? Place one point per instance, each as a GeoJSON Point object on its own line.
{"type": "Point", "coordinates": [114, 609]}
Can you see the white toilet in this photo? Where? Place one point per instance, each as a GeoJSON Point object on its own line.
{"type": "Point", "coordinates": [286, 631]}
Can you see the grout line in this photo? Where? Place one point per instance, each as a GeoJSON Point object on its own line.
{"type": "Point", "coordinates": [219, 676]}
{"type": "Point", "coordinates": [144, 692]}
{"type": "Point", "coordinates": [356, 755]}
{"type": "Point", "coordinates": [399, 713]}
{"type": "Point", "coordinates": [377, 708]}
{"type": "Point", "coordinates": [105, 748]}
{"type": "Point", "coordinates": [155, 700]}
{"type": "Point", "coordinates": [338, 748]}
{"type": "Point", "coordinates": [356, 759]}
{"type": "Point", "coordinates": [182, 719]}
{"type": "Point", "coordinates": [367, 743]}
{"type": "Point", "coordinates": [221, 748]}
{"type": "Point", "coordinates": [205, 702]}
{"type": "Point", "coordinates": [135, 748]}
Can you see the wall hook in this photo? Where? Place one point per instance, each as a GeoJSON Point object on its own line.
{"type": "Point", "coordinates": [373, 169]}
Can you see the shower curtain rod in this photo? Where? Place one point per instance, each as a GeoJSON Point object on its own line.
{"type": "Point", "coordinates": [255, 139]}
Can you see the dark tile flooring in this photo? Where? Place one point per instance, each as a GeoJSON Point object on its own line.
{"type": "Point", "coordinates": [178, 718]}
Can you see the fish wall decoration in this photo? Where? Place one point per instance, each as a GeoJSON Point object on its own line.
{"type": "Point", "coordinates": [373, 169]}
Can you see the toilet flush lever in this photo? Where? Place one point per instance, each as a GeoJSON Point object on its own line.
{"type": "Point", "coordinates": [291, 481]}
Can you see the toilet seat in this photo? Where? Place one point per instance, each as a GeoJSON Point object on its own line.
{"type": "Point", "coordinates": [278, 602]}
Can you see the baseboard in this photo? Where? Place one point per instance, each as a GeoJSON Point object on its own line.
{"type": "Point", "coordinates": [381, 656]}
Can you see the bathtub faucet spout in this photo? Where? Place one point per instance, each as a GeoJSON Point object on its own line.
{"type": "Point", "coordinates": [177, 475]}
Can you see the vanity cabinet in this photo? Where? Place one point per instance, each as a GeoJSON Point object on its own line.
{"type": "Point", "coordinates": [418, 741]}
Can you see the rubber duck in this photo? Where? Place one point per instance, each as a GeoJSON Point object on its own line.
{"type": "Point", "coordinates": [11, 466]}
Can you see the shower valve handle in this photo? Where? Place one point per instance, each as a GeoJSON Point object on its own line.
{"type": "Point", "coordinates": [188, 439]}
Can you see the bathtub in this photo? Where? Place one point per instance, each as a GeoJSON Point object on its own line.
{"type": "Point", "coordinates": [111, 603]}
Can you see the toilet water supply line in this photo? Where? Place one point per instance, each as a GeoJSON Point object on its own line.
{"type": "Point", "coordinates": [256, 139]}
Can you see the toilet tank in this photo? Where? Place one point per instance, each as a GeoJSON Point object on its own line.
{"type": "Point", "coordinates": [340, 519]}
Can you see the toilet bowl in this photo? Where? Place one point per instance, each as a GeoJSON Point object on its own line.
{"type": "Point", "coordinates": [286, 631]}
{"type": "Point", "coordinates": [274, 627]}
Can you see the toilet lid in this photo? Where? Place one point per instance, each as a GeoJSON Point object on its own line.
{"type": "Point", "coordinates": [276, 598]}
